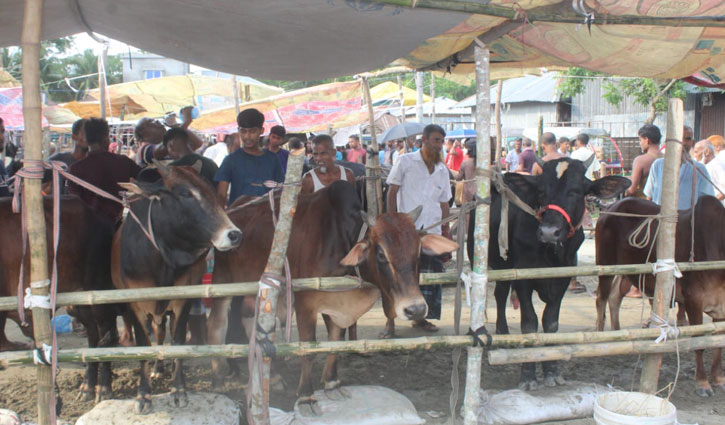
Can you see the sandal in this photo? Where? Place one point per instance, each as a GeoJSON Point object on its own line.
{"type": "Point", "coordinates": [425, 325]}
{"type": "Point", "coordinates": [577, 288]}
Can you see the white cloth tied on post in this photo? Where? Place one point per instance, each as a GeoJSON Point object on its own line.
{"type": "Point", "coordinates": [36, 301]}
{"type": "Point", "coordinates": [472, 278]}
{"type": "Point", "coordinates": [43, 356]}
{"type": "Point", "coordinates": [665, 265]}
{"type": "Point", "coordinates": [666, 329]}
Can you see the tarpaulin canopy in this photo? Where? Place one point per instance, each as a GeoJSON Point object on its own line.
{"type": "Point", "coordinates": [389, 92]}
{"type": "Point", "coordinates": [307, 110]}
{"type": "Point", "coordinates": [11, 108]}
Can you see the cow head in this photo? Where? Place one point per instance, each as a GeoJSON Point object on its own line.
{"type": "Point", "coordinates": [185, 214]}
{"type": "Point", "coordinates": [392, 251]}
{"type": "Point", "coordinates": [559, 194]}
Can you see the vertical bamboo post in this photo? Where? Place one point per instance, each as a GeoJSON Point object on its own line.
{"type": "Point", "coordinates": [102, 79]}
{"type": "Point", "coordinates": [540, 135]}
{"type": "Point", "coordinates": [267, 295]}
{"type": "Point", "coordinates": [236, 95]}
{"type": "Point", "coordinates": [34, 213]}
{"type": "Point", "coordinates": [481, 232]}
{"type": "Point", "coordinates": [433, 96]}
{"type": "Point", "coordinates": [419, 96]}
{"type": "Point", "coordinates": [666, 236]}
{"type": "Point", "coordinates": [373, 185]}
{"type": "Point", "coordinates": [497, 118]}
{"type": "Point", "coordinates": [402, 98]}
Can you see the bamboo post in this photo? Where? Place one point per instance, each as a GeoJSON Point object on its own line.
{"type": "Point", "coordinates": [102, 79]}
{"type": "Point", "coordinates": [481, 232]}
{"type": "Point", "coordinates": [540, 135]}
{"type": "Point", "coordinates": [433, 96]}
{"type": "Point", "coordinates": [236, 95]}
{"type": "Point", "coordinates": [419, 97]}
{"type": "Point", "coordinates": [373, 185]}
{"type": "Point", "coordinates": [497, 118]}
{"type": "Point", "coordinates": [267, 295]}
{"type": "Point", "coordinates": [402, 99]}
{"type": "Point", "coordinates": [666, 236]}
{"type": "Point", "coordinates": [34, 211]}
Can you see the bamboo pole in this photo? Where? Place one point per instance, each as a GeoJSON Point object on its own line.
{"type": "Point", "coordinates": [419, 98]}
{"type": "Point", "coordinates": [568, 352]}
{"type": "Point", "coordinates": [235, 82]}
{"type": "Point", "coordinates": [34, 211]}
{"type": "Point", "coordinates": [666, 236]}
{"type": "Point", "coordinates": [402, 100]}
{"type": "Point", "coordinates": [102, 79]}
{"type": "Point", "coordinates": [373, 185]}
{"type": "Point", "coordinates": [341, 282]}
{"type": "Point", "coordinates": [556, 15]}
{"type": "Point", "coordinates": [497, 118]}
{"type": "Point", "coordinates": [501, 342]}
{"type": "Point", "coordinates": [267, 295]}
{"type": "Point", "coordinates": [433, 96]}
{"type": "Point", "coordinates": [481, 232]}
{"type": "Point", "coordinates": [383, 72]}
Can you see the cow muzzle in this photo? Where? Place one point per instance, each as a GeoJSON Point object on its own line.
{"type": "Point", "coordinates": [412, 309]}
{"type": "Point", "coordinates": [550, 234]}
{"type": "Point", "coordinates": [227, 239]}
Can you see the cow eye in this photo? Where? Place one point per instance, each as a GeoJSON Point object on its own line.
{"type": "Point", "coordinates": [381, 257]}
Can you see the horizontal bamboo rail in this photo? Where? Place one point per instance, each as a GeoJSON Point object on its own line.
{"type": "Point", "coordinates": [568, 352]}
{"type": "Point", "coordinates": [338, 283]}
{"type": "Point", "coordinates": [361, 346]}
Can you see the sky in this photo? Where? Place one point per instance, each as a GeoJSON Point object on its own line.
{"type": "Point", "coordinates": [83, 41]}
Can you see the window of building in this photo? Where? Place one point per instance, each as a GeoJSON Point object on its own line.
{"type": "Point", "coordinates": [152, 73]}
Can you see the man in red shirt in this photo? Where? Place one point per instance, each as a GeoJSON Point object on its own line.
{"type": "Point", "coordinates": [356, 153]}
{"type": "Point", "coordinates": [454, 157]}
{"type": "Point", "coordinates": [102, 169]}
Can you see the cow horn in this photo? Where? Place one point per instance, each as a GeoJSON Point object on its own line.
{"type": "Point", "coordinates": [197, 166]}
{"type": "Point", "coordinates": [414, 214]}
{"type": "Point", "coordinates": [539, 161]}
{"type": "Point", "coordinates": [588, 162]}
{"type": "Point", "coordinates": [369, 219]}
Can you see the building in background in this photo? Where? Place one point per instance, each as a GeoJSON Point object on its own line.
{"type": "Point", "coordinates": [145, 66]}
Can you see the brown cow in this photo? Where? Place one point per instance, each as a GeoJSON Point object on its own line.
{"type": "Point", "coordinates": [83, 264]}
{"type": "Point", "coordinates": [325, 230]}
{"type": "Point", "coordinates": [184, 220]}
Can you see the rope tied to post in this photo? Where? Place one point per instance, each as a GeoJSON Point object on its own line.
{"type": "Point", "coordinates": [476, 337]}
{"type": "Point", "coordinates": [667, 330]}
{"type": "Point", "coordinates": [666, 265]}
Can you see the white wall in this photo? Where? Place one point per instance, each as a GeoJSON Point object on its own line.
{"type": "Point", "coordinates": [141, 63]}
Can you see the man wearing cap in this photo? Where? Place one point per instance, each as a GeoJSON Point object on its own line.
{"type": "Point", "coordinates": [276, 140]}
{"type": "Point", "coordinates": [244, 171]}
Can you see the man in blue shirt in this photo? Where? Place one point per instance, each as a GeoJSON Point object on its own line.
{"type": "Point", "coordinates": [653, 188]}
{"type": "Point", "coordinates": [247, 168]}
{"type": "Point", "coordinates": [276, 140]}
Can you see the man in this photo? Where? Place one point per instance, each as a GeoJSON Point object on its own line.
{"type": "Point", "coordinates": [178, 145]}
{"type": "Point", "coordinates": [548, 143]}
{"type": "Point", "coordinates": [398, 150]}
{"type": "Point", "coordinates": [150, 135]}
{"type": "Point", "coordinates": [716, 167]}
{"type": "Point", "coordinates": [454, 155]}
{"type": "Point", "coordinates": [703, 152]}
{"type": "Point", "coordinates": [421, 179]}
{"type": "Point", "coordinates": [102, 169]}
{"type": "Point", "coordinates": [245, 171]}
{"type": "Point", "coordinates": [4, 190]}
{"type": "Point", "coordinates": [653, 188]}
{"type": "Point", "coordinates": [386, 155]}
{"type": "Point", "coordinates": [649, 143]}
{"type": "Point", "coordinates": [527, 158]}
{"type": "Point", "coordinates": [512, 159]}
{"type": "Point", "coordinates": [564, 145]}
{"type": "Point", "coordinates": [326, 171]}
{"type": "Point", "coordinates": [356, 153]}
{"type": "Point", "coordinates": [80, 150]}
{"type": "Point", "coordinates": [583, 152]}
{"type": "Point", "coordinates": [226, 144]}
{"type": "Point", "coordinates": [276, 140]}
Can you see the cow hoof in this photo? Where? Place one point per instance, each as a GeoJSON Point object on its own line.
{"type": "Point", "coordinates": [386, 334]}
{"type": "Point", "coordinates": [143, 405]}
{"type": "Point", "coordinates": [704, 392]}
{"type": "Point", "coordinates": [529, 386]}
{"type": "Point", "coordinates": [554, 380]}
{"type": "Point", "coordinates": [307, 406]}
{"type": "Point", "coordinates": [179, 398]}
{"type": "Point", "coordinates": [85, 396]}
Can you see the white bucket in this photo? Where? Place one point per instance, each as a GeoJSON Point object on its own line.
{"type": "Point", "coordinates": [632, 408]}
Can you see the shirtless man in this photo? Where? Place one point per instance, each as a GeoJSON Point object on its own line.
{"type": "Point", "coordinates": [326, 172]}
{"type": "Point", "coordinates": [649, 142]}
{"type": "Point", "coordinates": [548, 143]}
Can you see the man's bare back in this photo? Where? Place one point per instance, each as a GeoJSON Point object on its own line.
{"type": "Point", "coordinates": [640, 171]}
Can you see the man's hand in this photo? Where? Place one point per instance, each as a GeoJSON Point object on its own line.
{"type": "Point", "coordinates": [446, 230]}
{"type": "Point", "coordinates": [186, 114]}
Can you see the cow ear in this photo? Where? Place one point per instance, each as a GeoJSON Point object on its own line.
{"type": "Point", "coordinates": [357, 255]}
{"type": "Point", "coordinates": [436, 244]}
{"type": "Point", "coordinates": [521, 182]}
{"type": "Point", "coordinates": [609, 187]}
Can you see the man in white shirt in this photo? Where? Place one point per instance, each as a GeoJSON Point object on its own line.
{"type": "Point", "coordinates": [421, 179]}
{"type": "Point", "coordinates": [583, 152]}
{"type": "Point", "coordinates": [716, 167]}
{"type": "Point", "coordinates": [224, 146]}
{"type": "Point", "coordinates": [512, 159]}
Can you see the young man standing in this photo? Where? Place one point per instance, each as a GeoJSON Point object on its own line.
{"type": "Point", "coordinates": [649, 143]}
{"type": "Point", "coordinates": [583, 152]}
{"type": "Point", "coordinates": [356, 153]}
{"type": "Point", "coordinates": [512, 158]}
{"type": "Point", "coordinates": [276, 140]}
{"type": "Point", "coordinates": [564, 145]}
{"type": "Point", "coordinates": [421, 179]}
{"type": "Point", "coordinates": [244, 171]}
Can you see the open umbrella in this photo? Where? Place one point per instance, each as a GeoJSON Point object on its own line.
{"type": "Point", "coordinates": [461, 133]}
{"type": "Point", "coordinates": [402, 131]}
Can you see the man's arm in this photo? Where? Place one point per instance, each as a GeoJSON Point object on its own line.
{"type": "Point", "coordinates": [636, 177]}
{"type": "Point", "coordinates": [194, 140]}
{"type": "Point", "coordinates": [350, 175]}
{"type": "Point", "coordinates": [536, 169]}
{"type": "Point", "coordinates": [221, 193]}
{"type": "Point", "coordinates": [308, 186]}
{"type": "Point", "coordinates": [393, 197]}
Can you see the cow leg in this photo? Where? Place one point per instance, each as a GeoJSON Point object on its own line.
{"type": "Point", "coordinates": [179, 320]}
{"type": "Point", "coordinates": [529, 324]}
{"type": "Point", "coordinates": [90, 381]}
{"type": "Point", "coordinates": [126, 339]}
{"type": "Point", "coordinates": [159, 329]}
{"type": "Point", "coordinates": [620, 287]}
{"type": "Point", "coordinates": [716, 369]}
{"type": "Point", "coordinates": [694, 315]}
{"type": "Point", "coordinates": [352, 332]}
{"type": "Point", "coordinates": [550, 323]}
{"type": "Point", "coordinates": [217, 325]}
{"type": "Point", "coordinates": [110, 338]}
{"type": "Point", "coordinates": [333, 388]}
{"type": "Point", "coordinates": [143, 398]}
{"type": "Point", "coordinates": [501, 293]}
{"type": "Point", "coordinates": [603, 291]}
{"type": "Point", "coordinates": [5, 343]}
{"type": "Point", "coordinates": [681, 314]}
{"type": "Point", "coordinates": [306, 327]}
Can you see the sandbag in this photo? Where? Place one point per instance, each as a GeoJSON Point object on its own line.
{"type": "Point", "coordinates": [367, 405]}
{"type": "Point", "coordinates": [516, 407]}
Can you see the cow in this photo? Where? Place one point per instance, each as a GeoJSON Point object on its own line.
{"type": "Point", "coordinates": [612, 234]}
{"type": "Point", "coordinates": [83, 265]}
{"type": "Point", "coordinates": [324, 242]}
{"type": "Point", "coordinates": [550, 239]}
{"type": "Point", "coordinates": [181, 220]}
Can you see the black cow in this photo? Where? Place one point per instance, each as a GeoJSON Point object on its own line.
{"type": "Point", "coordinates": [549, 240]}
{"type": "Point", "coordinates": [183, 218]}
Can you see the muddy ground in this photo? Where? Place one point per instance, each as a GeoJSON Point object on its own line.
{"type": "Point", "coordinates": [422, 376]}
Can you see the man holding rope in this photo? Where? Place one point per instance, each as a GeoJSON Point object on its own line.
{"type": "Point", "coordinates": [421, 178]}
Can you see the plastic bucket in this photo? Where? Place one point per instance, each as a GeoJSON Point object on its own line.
{"type": "Point", "coordinates": [632, 408]}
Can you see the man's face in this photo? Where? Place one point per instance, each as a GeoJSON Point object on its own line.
{"type": "Point", "coordinates": [275, 140]}
{"type": "Point", "coordinates": [517, 145]}
{"type": "Point", "coordinates": [80, 140]}
{"type": "Point", "coordinates": [177, 148]}
{"type": "Point", "coordinates": [433, 143]}
{"type": "Point", "coordinates": [687, 139]}
{"type": "Point", "coordinates": [324, 156]}
{"type": "Point", "coordinates": [153, 132]}
{"type": "Point", "coordinates": [250, 137]}
{"type": "Point", "coordinates": [643, 143]}
{"type": "Point", "coordinates": [354, 143]}
{"type": "Point", "coordinates": [564, 146]}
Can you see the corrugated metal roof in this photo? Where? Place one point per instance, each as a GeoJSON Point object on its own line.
{"type": "Point", "coordinates": [531, 88]}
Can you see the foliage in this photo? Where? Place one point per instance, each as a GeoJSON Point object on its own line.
{"type": "Point", "coordinates": [574, 84]}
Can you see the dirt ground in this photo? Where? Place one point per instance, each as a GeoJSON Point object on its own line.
{"type": "Point", "coordinates": [422, 376]}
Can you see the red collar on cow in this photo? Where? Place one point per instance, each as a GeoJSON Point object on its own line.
{"type": "Point", "coordinates": [564, 214]}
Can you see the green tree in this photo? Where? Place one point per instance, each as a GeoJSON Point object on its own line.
{"type": "Point", "coordinates": [644, 91]}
